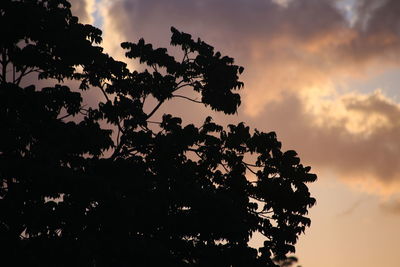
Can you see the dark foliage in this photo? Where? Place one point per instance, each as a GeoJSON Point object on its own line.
{"type": "Point", "coordinates": [287, 261]}
{"type": "Point", "coordinates": [72, 193]}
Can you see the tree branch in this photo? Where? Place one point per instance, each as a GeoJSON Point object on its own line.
{"type": "Point", "coordinates": [182, 85]}
{"type": "Point", "coordinates": [188, 98]}
{"type": "Point", "coordinates": [247, 167]}
{"type": "Point", "coordinates": [18, 81]}
{"type": "Point", "coordinates": [104, 92]}
{"type": "Point", "coordinates": [155, 109]}
{"type": "Point", "coordinates": [63, 117]}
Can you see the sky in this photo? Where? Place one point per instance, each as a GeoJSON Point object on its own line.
{"type": "Point", "coordinates": [322, 74]}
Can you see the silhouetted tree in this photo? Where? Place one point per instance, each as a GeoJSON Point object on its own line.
{"type": "Point", "coordinates": [106, 185]}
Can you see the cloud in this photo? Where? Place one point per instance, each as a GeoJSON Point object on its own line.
{"type": "Point", "coordinates": [83, 9]}
{"type": "Point", "coordinates": [391, 206]}
{"type": "Point", "coordinates": [356, 137]}
{"type": "Point", "coordinates": [308, 42]}
{"type": "Point", "coordinates": [299, 55]}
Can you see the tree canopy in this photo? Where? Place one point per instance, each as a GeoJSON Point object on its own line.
{"type": "Point", "coordinates": [106, 185]}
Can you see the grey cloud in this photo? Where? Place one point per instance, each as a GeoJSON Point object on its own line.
{"type": "Point", "coordinates": [375, 104]}
{"type": "Point", "coordinates": [236, 21]}
{"type": "Point", "coordinates": [378, 31]}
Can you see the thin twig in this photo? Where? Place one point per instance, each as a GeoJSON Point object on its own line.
{"type": "Point", "coordinates": [182, 85]}
{"type": "Point", "coordinates": [247, 167]}
{"type": "Point", "coordinates": [104, 92]}
{"type": "Point", "coordinates": [63, 117]}
{"type": "Point", "coordinates": [18, 81]}
{"type": "Point", "coordinates": [155, 109]}
{"type": "Point", "coordinates": [188, 98]}
{"type": "Point", "coordinates": [155, 122]}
